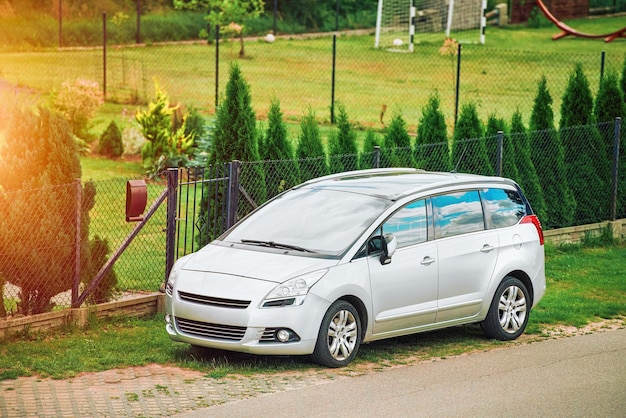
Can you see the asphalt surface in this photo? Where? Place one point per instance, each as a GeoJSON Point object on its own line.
{"type": "Point", "coordinates": [583, 376]}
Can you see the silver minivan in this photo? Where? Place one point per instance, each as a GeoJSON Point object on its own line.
{"type": "Point", "coordinates": [362, 256]}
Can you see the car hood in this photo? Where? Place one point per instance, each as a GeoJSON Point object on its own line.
{"type": "Point", "coordinates": [254, 264]}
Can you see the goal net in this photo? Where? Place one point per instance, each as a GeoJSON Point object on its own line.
{"type": "Point", "coordinates": [402, 23]}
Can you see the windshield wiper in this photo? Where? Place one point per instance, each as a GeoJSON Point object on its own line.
{"type": "Point", "coordinates": [273, 244]}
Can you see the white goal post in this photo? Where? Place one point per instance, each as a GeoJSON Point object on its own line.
{"type": "Point", "coordinates": [402, 23]}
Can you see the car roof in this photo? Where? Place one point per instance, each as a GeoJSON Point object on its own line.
{"type": "Point", "coordinates": [395, 183]}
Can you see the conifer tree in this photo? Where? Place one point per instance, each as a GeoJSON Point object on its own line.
{"type": "Point", "coordinates": [234, 138]}
{"type": "Point", "coordinates": [548, 157]}
{"type": "Point", "coordinates": [281, 171]}
{"type": "Point", "coordinates": [469, 154]}
{"type": "Point", "coordinates": [509, 165]}
{"type": "Point", "coordinates": [397, 137]}
{"type": "Point", "coordinates": [310, 151]}
{"type": "Point", "coordinates": [39, 165]}
{"type": "Point", "coordinates": [528, 178]}
{"type": "Point", "coordinates": [431, 144]}
{"type": "Point", "coordinates": [586, 164]}
{"type": "Point", "coordinates": [343, 153]}
{"type": "Point", "coordinates": [370, 142]}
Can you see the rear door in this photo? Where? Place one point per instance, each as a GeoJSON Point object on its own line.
{"type": "Point", "coordinates": [467, 254]}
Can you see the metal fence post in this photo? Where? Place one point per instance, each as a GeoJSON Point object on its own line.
{"type": "Point", "coordinates": [457, 87]}
{"type": "Point", "coordinates": [232, 200]}
{"type": "Point", "coordinates": [332, 83]}
{"type": "Point", "coordinates": [77, 245]}
{"type": "Point", "coordinates": [217, 65]}
{"type": "Point", "coordinates": [104, 54]}
{"type": "Point", "coordinates": [172, 205]}
{"type": "Point", "coordinates": [500, 153]}
{"type": "Point", "coordinates": [376, 161]}
{"type": "Point", "coordinates": [616, 141]}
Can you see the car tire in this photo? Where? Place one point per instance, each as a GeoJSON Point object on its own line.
{"type": "Point", "coordinates": [508, 313]}
{"type": "Point", "coordinates": [339, 336]}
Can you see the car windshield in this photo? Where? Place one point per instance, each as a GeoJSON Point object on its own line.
{"type": "Point", "coordinates": [310, 220]}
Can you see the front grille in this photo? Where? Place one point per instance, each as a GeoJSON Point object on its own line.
{"type": "Point", "coordinates": [207, 330]}
{"type": "Point", "coordinates": [211, 301]}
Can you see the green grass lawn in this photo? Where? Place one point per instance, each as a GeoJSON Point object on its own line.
{"type": "Point", "coordinates": [500, 76]}
{"type": "Point", "coordinates": [584, 285]}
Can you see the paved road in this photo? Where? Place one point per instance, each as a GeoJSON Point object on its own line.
{"type": "Point", "coordinates": [583, 376]}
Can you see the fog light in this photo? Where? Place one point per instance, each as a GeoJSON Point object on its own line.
{"type": "Point", "coordinates": [168, 319]}
{"type": "Point", "coordinates": [282, 335]}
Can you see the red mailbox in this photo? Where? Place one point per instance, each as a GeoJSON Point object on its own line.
{"type": "Point", "coordinates": [136, 199]}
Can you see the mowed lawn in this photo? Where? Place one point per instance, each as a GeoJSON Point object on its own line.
{"type": "Point", "coordinates": [500, 76]}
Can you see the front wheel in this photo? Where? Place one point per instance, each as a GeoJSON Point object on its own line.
{"type": "Point", "coordinates": [339, 336]}
{"type": "Point", "coordinates": [508, 313]}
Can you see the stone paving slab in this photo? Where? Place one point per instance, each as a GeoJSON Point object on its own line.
{"type": "Point", "coordinates": [149, 391]}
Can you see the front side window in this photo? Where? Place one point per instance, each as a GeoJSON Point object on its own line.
{"type": "Point", "coordinates": [457, 213]}
{"type": "Point", "coordinates": [409, 224]}
{"type": "Point", "coordinates": [502, 207]}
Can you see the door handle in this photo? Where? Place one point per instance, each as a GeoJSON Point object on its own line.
{"type": "Point", "coordinates": [427, 261]}
{"type": "Point", "coordinates": [487, 248]}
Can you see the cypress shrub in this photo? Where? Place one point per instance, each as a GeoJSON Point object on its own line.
{"type": "Point", "coordinates": [469, 153]}
{"type": "Point", "coordinates": [548, 157]}
{"type": "Point", "coordinates": [586, 164]}
{"type": "Point", "coordinates": [234, 138]}
{"type": "Point", "coordinates": [110, 144]}
{"type": "Point", "coordinates": [509, 165]}
{"type": "Point", "coordinates": [343, 153]}
{"type": "Point", "coordinates": [431, 144]}
{"type": "Point", "coordinates": [38, 200]}
{"type": "Point", "coordinates": [528, 178]}
{"type": "Point", "coordinates": [397, 137]}
{"type": "Point", "coordinates": [281, 171]}
{"type": "Point", "coordinates": [310, 151]}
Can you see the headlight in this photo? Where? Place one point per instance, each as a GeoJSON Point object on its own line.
{"type": "Point", "coordinates": [178, 265]}
{"type": "Point", "coordinates": [293, 291]}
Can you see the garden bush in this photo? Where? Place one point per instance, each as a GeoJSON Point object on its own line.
{"type": "Point", "coordinates": [110, 144]}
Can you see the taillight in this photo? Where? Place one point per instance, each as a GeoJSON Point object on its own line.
{"type": "Point", "coordinates": [532, 219]}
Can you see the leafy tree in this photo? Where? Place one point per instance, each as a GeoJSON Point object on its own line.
{"type": "Point", "coordinates": [310, 151]}
{"type": "Point", "coordinates": [583, 145]}
{"type": "Point", "coordinates": [397, 137]}
{"type": "Point", "coordinates": [343, 150]}
{"type": "Point", "coordinates": [110, 144]}
{"type": "Point", "coordinates": [167, 144]}
{"type": "Point", "coordinates": [38, 198]}
{"type": "Point", "coordinates": [509, 166]}
{"type": "Point", "coordinates": [469, 152]}
{"type": "Point", "coordinates": [371, 141]}
{"type": "Point", "coordinates": [548, 157]}
{"type": "Point", "coordinates": [528, 178]}
{"type": "Point", "coordinates": [431, 143]}
{"type": "Point", "coordinates": [281, 171]}
{"type": "Point", "coordinates": [229, 14]}
{"type": "Point", "coordinates": [234, 138]}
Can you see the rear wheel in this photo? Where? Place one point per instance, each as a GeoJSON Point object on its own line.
{"type": "Point", "coordinates": [508, 313]}
{"type": "Point", "coordinates": [339, 336]}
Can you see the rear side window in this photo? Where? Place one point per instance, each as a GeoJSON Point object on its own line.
{"type": "Point", "coordinates": [502, 207]}
{"type": "Point", "coordinates": [458, 213]}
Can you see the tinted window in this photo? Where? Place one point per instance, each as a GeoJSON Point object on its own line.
{"type": "Point", "coordinates": [458, 213]}
{"type": "Point", "coordinates": [503, 207]}
{"type": "Point", "coordinates": [409, 224]}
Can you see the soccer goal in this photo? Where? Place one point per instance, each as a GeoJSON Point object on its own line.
{"type": "Point", "coordinates": [402, 23]}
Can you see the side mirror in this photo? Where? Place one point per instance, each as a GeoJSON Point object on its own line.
{"type": "Point", "coordinates": [389, 247]}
